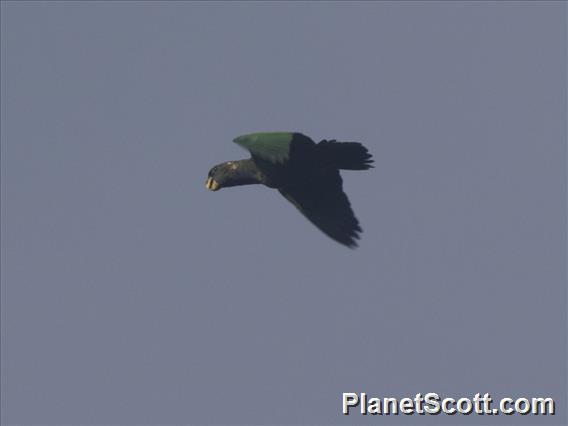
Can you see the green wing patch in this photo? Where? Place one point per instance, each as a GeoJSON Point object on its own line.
{"type": "Point", "coordinates": [270, 146]}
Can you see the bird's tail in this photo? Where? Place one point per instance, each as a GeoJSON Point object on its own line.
{"type": "Point", "coordinates": [345, 155]}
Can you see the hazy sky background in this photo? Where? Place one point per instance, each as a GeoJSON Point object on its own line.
{"type": "Point", "coordinates": [131, 294]}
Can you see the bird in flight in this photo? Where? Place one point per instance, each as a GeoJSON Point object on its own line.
{"type": "Point", "coordinates": [304, 172]}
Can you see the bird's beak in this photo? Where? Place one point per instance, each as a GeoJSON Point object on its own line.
{"type": "Point", "coordinates": [211, 185]}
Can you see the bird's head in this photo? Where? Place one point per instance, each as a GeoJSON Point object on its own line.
{"type": "Point", "coordinates": [220, 176]}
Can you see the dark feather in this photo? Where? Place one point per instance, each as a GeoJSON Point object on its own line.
{"type": "Point", "coordinates": [322, 201]}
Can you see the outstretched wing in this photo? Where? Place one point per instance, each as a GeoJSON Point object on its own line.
{"type": "Point", "coordinates": [323, 202]}
{"type": "Point", "coordinates": [274, 147]}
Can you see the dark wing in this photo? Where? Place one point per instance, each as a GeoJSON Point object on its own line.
{"type": "Point", "coordinates": [323, 202]}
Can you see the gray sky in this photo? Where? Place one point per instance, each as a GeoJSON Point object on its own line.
{"type": "Point", "coordinates": [130, 294]}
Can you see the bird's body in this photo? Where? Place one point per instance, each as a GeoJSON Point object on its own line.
{"type": "Point", "coordinates": [305, 173]}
